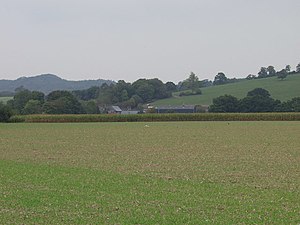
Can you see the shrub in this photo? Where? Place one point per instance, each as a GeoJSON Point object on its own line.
{"type": "Point", "coordinates": [5, 113]}
{"type": "Point", "coordinates": [188, 93]}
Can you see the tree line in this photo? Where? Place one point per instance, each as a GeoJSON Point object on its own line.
{"type": "Point", "coordinates": [91, 100]}
{"type": "Point", "coordinates": [264, 72]}
{"type": "Point", "coordinates": [192, 85]}
{"type": "Point", "coordinates": [257, 100]}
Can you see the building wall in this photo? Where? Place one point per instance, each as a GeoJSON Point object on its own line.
{"type": "Point", "coordinates": [175, 110]}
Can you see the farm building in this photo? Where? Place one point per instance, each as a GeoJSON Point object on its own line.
{"type": "Point", "coordinates": [130, 112]}
{"type": "Point", "coordinates": [176, 109]}
{"type": "Point", "coordinates": [117, 110]}
{"type": "Point", "coordinates": [114, 110]}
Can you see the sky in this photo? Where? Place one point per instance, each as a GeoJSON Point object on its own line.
{"type": "Point", "coordinates": [132, 39]}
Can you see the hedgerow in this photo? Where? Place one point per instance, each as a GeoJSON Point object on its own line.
{"type": "Point", "coordinates": [157, 117]}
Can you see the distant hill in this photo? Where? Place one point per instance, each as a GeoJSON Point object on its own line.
{"type": "Point", "coordinates": [47, 83]}
{"type": "Point", "coordinates": [282, 90]}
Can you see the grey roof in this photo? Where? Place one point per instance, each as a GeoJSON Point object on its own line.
{"type": "Point", "coordinates": [116, 108]}
{"type": "Point", "coordinates": [174, 107]}
{"type": "Point", "coordinates": [130, 112]}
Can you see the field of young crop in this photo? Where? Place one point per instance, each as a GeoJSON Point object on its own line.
{"type": "Point", "coordinates": [150, 173]}
{"type": "Point", "coordinates": [149, 117]}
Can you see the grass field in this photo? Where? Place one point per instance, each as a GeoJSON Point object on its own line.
{"type": "Point", "coordinates": [5, 99]}
{"type": "Point", "coordinates": [282, 90]}
{"type": "Point", "coordinates": [162, 173]}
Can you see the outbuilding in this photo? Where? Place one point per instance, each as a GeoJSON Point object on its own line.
{"type": "Point", "coordinates": [114, 110]}
{"type": "Point", "coordinates": [176, 109]}
{"type": "Point", "coordinates": [130, 112]}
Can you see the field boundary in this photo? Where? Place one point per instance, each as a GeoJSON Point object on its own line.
{"type": "Point", "coordinates": [156, 117]}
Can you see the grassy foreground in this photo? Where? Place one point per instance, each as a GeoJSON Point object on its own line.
{"type": "Point", "coordinates": [162, 173]}
{"type": "Point", "coordinates": [283, 90]}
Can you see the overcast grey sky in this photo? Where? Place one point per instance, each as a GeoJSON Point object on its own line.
{"type": "Point", "coordinates": [130, 39]}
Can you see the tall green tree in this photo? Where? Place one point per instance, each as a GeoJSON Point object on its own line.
{"type": "Point", "coordinates": [260, 92]}
{"type": "Point", "coordinates": [298, 68]}
{"type": "Point", "coordinates": [220, 78]}
{"type": "Point", "coordinates": [291, 105]}
{"type": "Point", "coordinates": [225, 103]}
{"type": "Point", "coordinates": [271, 71]}
{"type": "Point", "coordinates": [150, 89]}
{"type": "Point", "coordinates": [258, 100]}
{"type": "Point", "coordinates": [90, 107]}
{"type": "Point", "coordinates": [171, 87]}
{"type": "Point", "coordinates": [33, 107]}
{"type": "Point", "coordinates": [20, 100]}
{"type": "Point", "coordinates": [23, 96]}
{"type": "Point", "coordinates": [295, 104]}
{"type": "Point", "coordinates": [124, 95]}
{"type": "Point", "coordinates": [263, 72]}
{"type": "Point", "coordinates": [146, 92]}
{"type": "Point", "coordinates": [88, 94]}
{"type": "Point", "coordinates": [62, 102]}
{"type": "Point", "coordinates": [160, 89]}
{"type": "Point", "coordinates": [250, 77]}
{"type": "Point", "coordinates": [5, 112]}
{"type": "Point", "coordinates": [122, 89]}
{"type": "Point", "coordinates": [193, 82]}
{"type": "Point", "coordinates": [282, 74]}
{"type": "Point", "coordinates": [21, 88]}
{"type": "Point", "coordinates": [107, 95]}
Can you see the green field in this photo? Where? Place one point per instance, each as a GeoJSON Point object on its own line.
{"type": "Point", "coordinates": [282, 90]}
{"type": "Point", "coordinates": [162, 173]}
{"type": "Point", "coordinates": [5, 99]}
